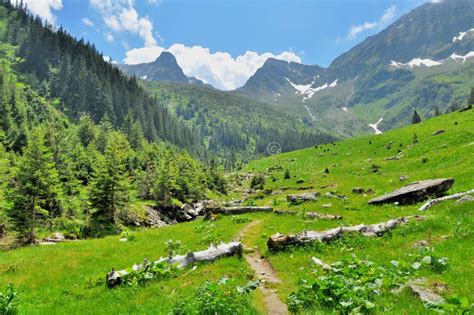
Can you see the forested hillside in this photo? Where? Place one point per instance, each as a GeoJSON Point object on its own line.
{"type": "Point", "coordinates": [84, 178]}
{"type": "Point", "coordinates": [75, 74]}
{"type": "Point", "coordinates": [236, 128]}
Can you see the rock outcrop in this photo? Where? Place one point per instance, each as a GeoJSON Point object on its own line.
{"type": "Point", "coordinates": [416, 191]}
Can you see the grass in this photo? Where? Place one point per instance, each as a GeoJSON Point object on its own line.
{"type": "Point", "coordinates": [62, 278]}
{"type": "Point", "coordinates": [349, 162]}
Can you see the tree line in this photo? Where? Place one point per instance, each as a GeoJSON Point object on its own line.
{"type": "Point", "coordinates": [57, 174]}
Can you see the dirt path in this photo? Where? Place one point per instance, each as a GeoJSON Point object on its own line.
{"type": "Point", "coordinates": [266, 274]}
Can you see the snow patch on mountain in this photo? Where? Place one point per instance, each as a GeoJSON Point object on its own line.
{"type": "Point", "coordinates": [144, 77]}
{"type": "Point", "coordinates": [344, 109]}
{"type": "Point", "coordinates": [307, 91]}
{"type": "Point", "coordinates": [461, 35]}
{"type": "Point", "coordinates": [462, 58]}
{"type": "Point", "coordinates": [416, 62]}
{"type": "Point", "coordinates": [376, 126]}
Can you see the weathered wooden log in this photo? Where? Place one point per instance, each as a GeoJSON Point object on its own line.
{"type": "Point", "coordinates": [278, 240]}
{"type": "Point", "coordinates": [287, 212]}
{"type": "Point", "coordinates": [432, 202]}
{"type": "Point", "coordinates": [241, 210]}
{"type": "Point", "coordinates": [315, 215]}
{"type": "Point", "coordinates": [311, 214]}
{"type": "Point", "coordinates": [303, 197]}
{"type": "Point", "coordinates": [114, 278]}
{"type": "Point", "coordinates": [416, 191]}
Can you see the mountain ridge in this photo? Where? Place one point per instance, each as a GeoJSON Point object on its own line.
{"type": "Point", "coordinates": [165, 68]}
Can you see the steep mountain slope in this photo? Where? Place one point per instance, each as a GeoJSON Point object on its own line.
{"type": "Point", "coordinates": [164, 68]}
{"type": "Point", "coordinates": [74, 72]}
{"type": "Point", "coordinates": [407, 66]}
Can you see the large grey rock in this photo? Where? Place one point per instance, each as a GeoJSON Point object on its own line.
{"type": "Point", "coordinates": [416, 191]}
{"type": "Point", "coordinates": [303, 197]}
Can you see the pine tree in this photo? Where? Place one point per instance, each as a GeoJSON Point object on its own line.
{"type": "Point", "coordinates": [471, 97]}
{"type": "Point", "coordinates": [110, 189]}
{"type": "Point", "coordinates": [35, 189]}
{"type": "Point", "coordinates": [436, 111]}
{"type": "Point", "coordinates": [415, 118]}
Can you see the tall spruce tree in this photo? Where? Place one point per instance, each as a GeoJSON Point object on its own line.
{"type": "Point", "coordinates": [35, 189]}
{"type": "Point", "coordinates": [415, 118]}
{"type": "Point", "coordinates": [110, 189]}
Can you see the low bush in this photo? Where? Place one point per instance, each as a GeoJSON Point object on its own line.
{"type": "Point", "coordinates": [8, 300]}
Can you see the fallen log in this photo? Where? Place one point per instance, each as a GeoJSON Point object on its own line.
{"type": "Point", "coordinates": [315, 215]}
{"type": "Point", "coordinates": [432, 202]}
{"type": "Point", "coordinates": [311, 214]}
{"type": "Point", "coordinates": [241, 210]}
{"type": "Point", "coordinates": [415, 192]}
{"type": "Point", "coordinates": [114, 278]}
{"type": "Point", "coordinates": [287, 212]}
{"type": "Point", "coordinates": [278, 240]}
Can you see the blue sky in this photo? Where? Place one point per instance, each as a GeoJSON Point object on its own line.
{"type": "Point", "coordinates": [223, 42]}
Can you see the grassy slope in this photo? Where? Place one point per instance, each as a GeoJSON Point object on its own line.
{"type": "Point", "coordinates": [449, 155]}
{"type": "Point", "coordinates": [54, 279]}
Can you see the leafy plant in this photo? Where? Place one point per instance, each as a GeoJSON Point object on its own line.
{"type": "Point", "coordinates": [8, 300]}
{"type": "Point", "coordinates": [172, 247]}
{"type": "Point", "coordinates": [428, 258]}
{"type": "Point", "coordinates": [150, 271]}
{"type": "Point", "coordinates": [220, 297]}
{"type": "Point", "coordinates": [350, 287]}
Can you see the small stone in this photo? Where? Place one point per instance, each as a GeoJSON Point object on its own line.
{"type": "Point", "coordinates": [467, 198]}
{"type": "Point", "coordinates": [438, 132]}
{"type": "Point", "coordinates": [403, 178]}
{"type": "Point", "coordinates": [358, 190]}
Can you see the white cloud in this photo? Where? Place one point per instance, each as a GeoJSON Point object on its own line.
{"type": "Point", "coordinates": [44, 8]}
{"type": "Point", "coordinates": [219, 69]}
{"type": "Point", "coordinates": [387, 16]}
{"type": "Point", "coordinates": [87, 22]}
{"type": "Point", "coordinates": [121, 16]}
{"type": "Point", "coordinates": [109, 38]}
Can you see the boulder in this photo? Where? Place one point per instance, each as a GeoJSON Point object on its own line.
{"type": "Point", "coordinates": [302, 197]}
{"type": "Point", "coordinates": [415, 192]}
{"type": "Point", "coordinates": [156, 219]}
{"type": "Point", "coordinates": [437, 132]}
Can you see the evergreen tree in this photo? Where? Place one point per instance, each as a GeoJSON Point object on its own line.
{"type": "Point", "coordinates": [164, 184]}
{"type": "Point", "coordinates": [35, 189]}
{"type": "Point", "coordinates": [415, 118]}
{"type": "Point", "coordinates": [110, 189]}
{"type": "Point", "coordinates": [436, 111]}
{"type": "Point", "coordinates": [471, 97]}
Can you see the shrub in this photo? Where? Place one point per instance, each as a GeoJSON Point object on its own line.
{"type": "Point", "coordinates": [287, 174]}
{"type": "Point", "coordinates": [257, 182]}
